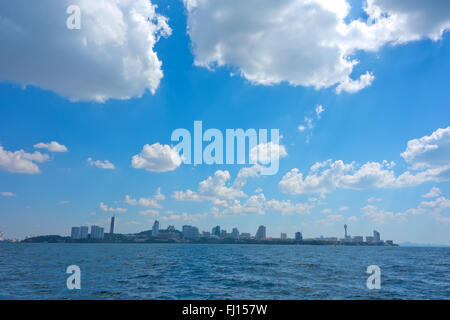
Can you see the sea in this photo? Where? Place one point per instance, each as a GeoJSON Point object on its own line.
{"type": "Point", "coordinates": [216, 271]}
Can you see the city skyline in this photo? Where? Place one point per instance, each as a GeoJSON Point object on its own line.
{"type": "Point", "coordinates": [361, 104]}
{"type": "Point", "coordinates": [192, 232]}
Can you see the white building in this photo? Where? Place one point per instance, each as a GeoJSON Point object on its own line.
{"type": "Point", "coordinates": [75, 233]}
{"type": "Point", "coordinates": [235, 233]}
{"type": "Point", "coordinates": [84, 232]}
{"type": "Point", "coordinates": [190, 232]}
{"type": "Point", "coordinates": [97, 232]}
{"type": "Point", "coordinates": [155, 229]}
{"type": "Point", "coordinates": [283, 236]}
{"type": "Point", "coordinates": [376, 236]}
{"type": "Point", "coordinates": [261, 233]}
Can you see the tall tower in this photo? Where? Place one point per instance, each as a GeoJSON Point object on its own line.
{"type": "Point", "coordinates": [261, 233]}
{"type": "Point", "coordinates": [155, 229]}
{"type": "Point", "coordinates": [345, 228]}
{"type": "Point", "coordinates": [111, 229]}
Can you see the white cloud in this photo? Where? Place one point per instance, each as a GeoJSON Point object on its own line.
{"type": "Point", "coordinates": [434, 208]}
{"type": "Point", "coordinates": [305, 42]}
{"type": "Point", "coordinates": [429, 151]}
{"type": "Point", "coordinates": [215, 188]}
{"type": "Point", "coordinates": [352, 86]}
{"type": "Point", "coordinates": [430, 154]}
{"type": "Point", "coordinates": [152, 212]}
{"type": "Point", "coordinates": [8, 194]}
{"type": "Point", "coordinates": [106, 208]}
{"type": "Point", "coordinates": [343, 208]}
{"type": "Point", "coordinates": [64, 202]}
{"type": "Point", "coordinates": [101, 164]}
{"type": "Point", "coordinates": [378, 215]}
{"type": "Point", "coordinates": [310, 122]}
{"type": "Point", "coordinates": [21, 161]}
{"type": "Point", "coordinates": [265, 153]}
{"type": "Point", "coordinates": [111, 56]}
{"type": "Point", "coordinates": [373, 199]}
{"type": "Point", "coordinates": [433, 193]}
{"type": "Point", "coordinates": [146, 202]}
{"type": "Point", "coordinates": [157, 158]}
{"type": "Point", "coordinates": [329, 175]}
{"type": "Point", "coordinates": [286, 207]}
{"type": "Point", "coordinates": [319, 110]}
{"type": "Point", "coordinates": [51, 146]}
{"type": "Point", "coordinates": [326, 176]}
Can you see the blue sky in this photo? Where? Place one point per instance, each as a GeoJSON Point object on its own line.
{"type": "Point", "coordinates": [407, 99]}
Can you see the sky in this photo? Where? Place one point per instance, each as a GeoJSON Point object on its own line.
{"type": "Point", "coordinates": [358, 90]}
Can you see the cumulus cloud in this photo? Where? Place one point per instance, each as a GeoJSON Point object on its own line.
{"type": "Point", "coordinates": [225, 197]}
{"type": "Point", "coordinates": [429, 151]}
{"type": "Point", "coordinates": [430, 154]}
{"type": "Point", "coordinates": [147, 202]}
{"type": "Point", "coordinates": [106, 208]}
{"type": "Point", "coordinates": [111, 56]}
{"type": "Point", "coordinates": [434, 208]}
{"type": "Point", "coordinates": [329, 175]}
{"type": "Point", "coordinates": [214, 188]}
{"type": "Point", "coordinates": [101, 164]}
{"type": "Point", "coordinates": [265, 153]}
{"type": "Point", "coordinates": [51, 146]}
{"type": "Point", "coordinates": [378, 215]}
{"type": "Point", "coordinates": [21, 161]}
{"type": "Point", "coordinates": [8, 194]}
{"type": "Point", "coordinates": [157, 158]}
{"type": "Point", "coordinates": [305, 42]}
{"type": "Point", "coordinates": [352, 86]}
{"type": "Point", "coordinates": [433, 193]}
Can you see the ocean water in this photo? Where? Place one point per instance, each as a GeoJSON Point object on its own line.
{"type": "Point", "coordinates": [171, 271]}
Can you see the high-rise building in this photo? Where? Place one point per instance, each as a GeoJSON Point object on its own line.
{"type": "Point", "coordinates": [298, 236]}
{"type": "Point", "coordinates": [75, 233]}
{"type": "Point", "coordinates": [261, 233]}
{"type": "Point", "coordinates": [235, 233]}
{"type": "Point", "coordinates": [190, 232]}
{"type": "Point", "coordinates": [97, 232]}
{"type": "Point", "coordinates": [216, 231]}
{"type": "Point", "coordinates": [283, 236]}
{"type": "Point", "coordinates": [84, 232]}
{"type": "Point", "coordinates": [206, 234]}
{"type": "Point", "coordinates": [376, 236]}
{"type": "Point", "coordinates": [245, 235]}
{"type": "Point", "coordinates": [223, 234]}
{"type": "Point", "coordinates": [155, 229]}
{"type": "Point", "coordinates": [111, 228]}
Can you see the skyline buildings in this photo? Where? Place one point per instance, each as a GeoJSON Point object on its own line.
{"type": "Point", "coordinates": [260, 233]}
{"type": "Point", "coordinates": [189, 232]}
{"type": "Point", "coordinates": [82, 233]}
{"type": "Point", "coordinates": [111, 229]}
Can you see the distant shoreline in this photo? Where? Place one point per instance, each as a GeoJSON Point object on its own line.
{"type": "Point", "coordinates": [59, 239]}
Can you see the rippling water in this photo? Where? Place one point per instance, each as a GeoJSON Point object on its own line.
{"type": "Point", "coordinates": [153, 271]}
